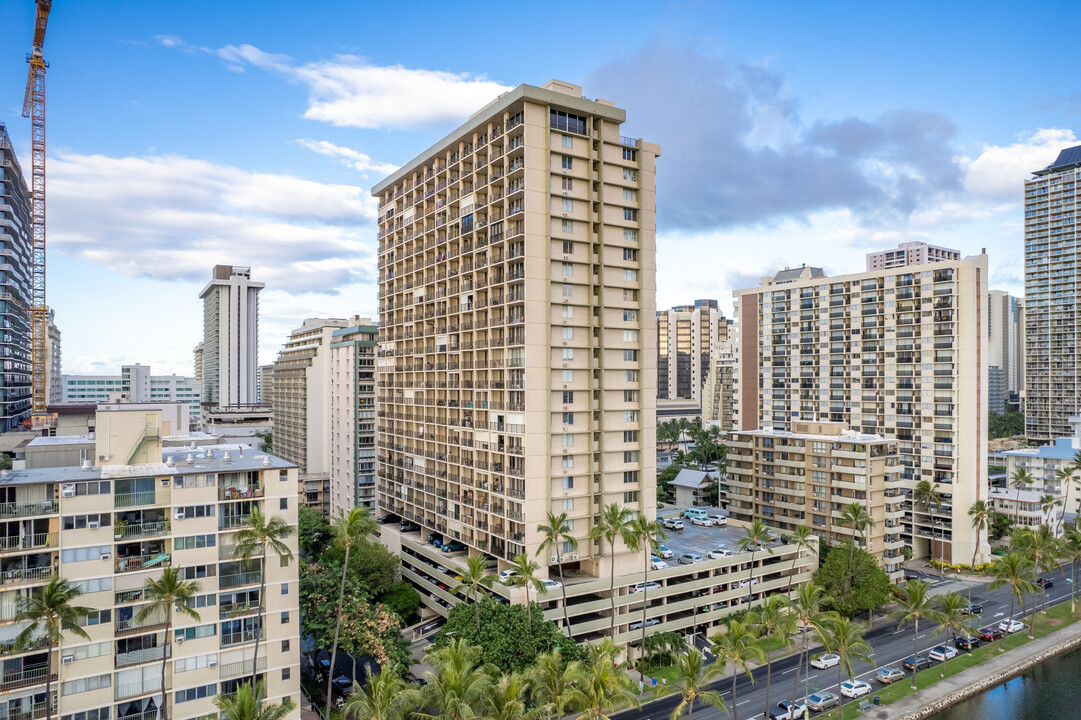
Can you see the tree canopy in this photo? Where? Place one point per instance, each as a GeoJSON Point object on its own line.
{"type": "Point", "coordinates": [313, 530]}
{"type": "Point", "coordinates": [1002, 425]}
{"type": "Point", "coordinates": [850, 590]}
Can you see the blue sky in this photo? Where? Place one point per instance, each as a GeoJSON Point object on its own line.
{"type": "Point", "coordinates": [184, 134]}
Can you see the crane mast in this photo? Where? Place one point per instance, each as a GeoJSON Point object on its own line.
{"type": "Point", "coordinates": [34, 108]}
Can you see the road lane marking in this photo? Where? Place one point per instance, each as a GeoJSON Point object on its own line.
{"type": "Point", "coordinates": [785, 672]}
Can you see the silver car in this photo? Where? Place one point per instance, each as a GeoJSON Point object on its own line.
{"type": "Point", "coordinates": [690, 559]}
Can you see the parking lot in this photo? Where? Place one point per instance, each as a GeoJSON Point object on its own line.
{"type": "Point", "coordinates": [700, 539]}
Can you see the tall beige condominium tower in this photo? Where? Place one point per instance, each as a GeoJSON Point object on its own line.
{"type": "Point", "coordinates": [302, 406]}
{"type": "Point", "coordinates": [54, 385]}
{"type": "Point", "coordinates": [899, 353]}
{"type": "Point", "coordinates": [909, 253]}
{"type": "Point", "coordinates": [718, 400]}
{"type": "Point", "coordinates": [687, 337]}
{"type": "Point", "coordinates": [352, 415]}
{"type": "Point", "coordinates": [1052, 316]}
{"type": "Point", "coordinates": [230, 345]}
{"type": "Point", "coordinates": [518, 358]}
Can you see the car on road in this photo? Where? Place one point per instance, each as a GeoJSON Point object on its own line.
{"type": "Point", "coordinates": [789, 710]}
{"type": "Point", "coordinates": [453, 546]}
{"type": "Point", "coordinates": [643, 586]}
{"type": "Point", "coordinates": [690, 558]}
{"type": "Point", "coordinates": [719, 553]}
{"type": "Point", "coordinates": [551, 585]}
{"type": "Point", "coordinates": [889, 674]}
{"type": "Point", "coordinates": [702, 522]}
{"type": "Point", "coordinates": [919, 662]}
{"type": "Point", "coordinates": [650, 622]}
{"type": "Point", "coordinates": [665, 552]}
{"type": "Point", "coordinates": [990, 633]}
{"type": "Point", "coordinates": [972, 609]}
{"type": "Point", "coordinates": [820, 701]}
{"type": "Point", "coordinates": [673, 524]}
{"type": "Point", "coordinates": [655, 563]}
{"type": "Point", "coordinates": [854, 688]}
{"type": "Point", "coordinates": [966, 642]}
{"type": "Point", "coordinates": [942, 653]}
{"type": "Point", "coordinates": [1011, 626]}
{"type": "Point", "coordinates": [506, 575]}
{"type": "Point", "coordinates": [1045, 582]}
{"type": "Point", "coordinates": [825, 660]}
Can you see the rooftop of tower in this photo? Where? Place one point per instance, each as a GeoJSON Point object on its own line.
{"type": "Point", "coordinates": [1066, 158]}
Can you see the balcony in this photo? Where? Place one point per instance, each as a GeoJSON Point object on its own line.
{"type": "Point", "coordinates": [18, 710]}
{"type": "Point", "coordinates": [239, 579]}
{"type": "Point", "coordinates": [139, 530]}
{"type": "Point", "coordinates": [228, 671]}
{"type": "Point", "coordinates": [138, 657]}
{"type": "Point", "coordinates": [19, 576]}
{"type": "Point", "coordinates": [239, 493]}
{"type": "Point", "coordinates": [147, 686]}
{"type": "Point", "coordinates": [233, 522]}
{"type": "Point", "coordinates": [28, 542]}
{"type": "Point", "coordinates": [24, 678]}
{"type": "Point", "coordinates": [135, 499]}
{"type": "Point", "coordinates": [16, 509]}
{"type": "Point", "coordinates": [141, 562]}
{"type": "Point", "coordinates": [241, 637]}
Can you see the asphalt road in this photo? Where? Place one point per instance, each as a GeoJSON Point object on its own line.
{"type": "Point", "coordinates": [890, 646]}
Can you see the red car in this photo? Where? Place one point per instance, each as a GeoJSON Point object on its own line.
{"type": "Point", "coordinates": [988, 634]}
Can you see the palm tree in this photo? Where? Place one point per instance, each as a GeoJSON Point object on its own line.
{"type": "Point", "coordinates": [551, 679]}
{"type": "Point", "coordinates": [914, 602]}
{"type": "Point", "coordinates": [692, 676]}
{"type": "Point", "coordinates": [525, 575]}
{"type": "Point", "coordinates": [982, 514]}
{"type": "Point", "coordinates": [50, 613]}
{"type": "Point", "coordinates": [924, 497]}
{"type": "Point", "coordinates": [1019, 480]}
{"type": "Point", "coordinates": [808, 612]}
{"type": "Point", "coordinates": [855, 516]}
{"type": "Point", "coordinates": [385, 696]}
{"type": "Point", "coordinates": [458, 682]}
{"type": "Point", "coordinates": [248, 705]}
{"type": "Point", "coordinates": [1042, 548]}
{"type": "Point", "coordinates": [557, 532]}
{"type": "Point", "coordinates": [600, 685]}
{"type": "Point", "coordinates": [264, 533]}
{"type": "Point", "coordinates": [1071, 550]}
{"type": "Point", "coordinates": [951, 619]}
{"type": "Point", "coordinates": [773, 619]}
{"type": "Point", "coordinates": [683, 425]}
{"type": "Point", "coordinates": [802, 539]}
{"type": "Point", "coordinates": [1047, 504]}
{"type": "Point", "coordinates": [507, 698]}
{"type": "Point", "coordinates": [736, 647]}
{"type": "Point", "coordinates": [647, 534]}
{"type": "Point", "coordinates": [475, 577]}
{"type": "Point", "coordinates": [754, 537]}
{"type": "Point", "coordinates": [1012, 569]}
{"type": "Point", "coordinates": [615, 523]}
{"type": "Point", "coordinates": [1066, 476]}
{"type": "Point", "coordinates": [846, 640]}
{"type": "Point", "coordinates": [163, 595]}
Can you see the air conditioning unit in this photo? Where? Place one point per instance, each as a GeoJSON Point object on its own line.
{"type": "Point", "coordinates": [67, 660]}
{"type": "Point", "coordinates": [165, 482]}
{"type": "Point", "coordinates": [211, 663]}
{"type": "Point", "coordinates": [180, 640]}
{"type": "Point", "coordinates": [562, 558]}
{"type": "Point", "coordinates": [94, 524]}
{"type": "Point", "coordinates": [106, 556]}
{"type": "Point", "coordinates": [179, 515]}
{"type": "Point", "coordinates": [67, 490]}
{"type": "Point", "coordinates": [554, 558]}
{"type": "Point", "coordinates": [574, 556]}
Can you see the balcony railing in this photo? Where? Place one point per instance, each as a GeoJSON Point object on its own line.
{"type": "Point", "coordinates": [225, 552]}
{"type": "Point", "coordinates": [239, 638]}
{"type": "Point", "coordinates": [27, 542]}
{"type": "Point", "coordinates": [240, 668]}
{"type": "Point", "coordinates": [123, 500]}
{"type": "Point", "coordinates": [141, 562]}
{"type": "Point", "coordinates": [233, 610]}
{"type": "Point", "coordinates": [243, 493]}
{"type": "Point", "coordinates": [19, 576]}
{"type": "Point", "coordinates": [148, 529]}
{"type": "Point", "coordinates": [29, 711]}
{"type": "Point", "coordinates": [137, 657]}
{"type": "Point", "coordinates": [231, 522]}
{"type": "Point", "coordinates": [10, 510]}
{"type": "Point", "coordinates": [130, 627]}
{"type": "Point", "coordinates": [148, 685]}
{"type": "Point", "coordinates": [23, 678]}
{"type": "Point", "coordinates": [238, 579]}
{"type": "Point", "coordinates": [8, 647]}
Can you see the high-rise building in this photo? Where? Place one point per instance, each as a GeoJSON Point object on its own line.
{"type": "Point", "coordinates": [136, 384]}
{"type": "Point", "coordinates": [1052, 318]}
{"type": "Point", "coordinates": [352, 415]}
{"type": "Point", "coordinates": [1005, 346]}
{"type": "Point", "coordinates": [301, 407]}
{"type": "Point", "coordinates": [687, 337]}
{"type": "Point", "coordinates": [16, 242]}
{"type": "Point", "coordinates": [266, 384]}
{"type": "Point", "coordinates": [909, 253]}
{"type": "Point", "coordinates": [230, 346]}
{"type": "Point", "coordinates": [111, 522]}
{"type": "Point", "coordinates": [54, 390]}
{"type": "Point", "coordinates": [898, 353]}
{"type": "Point", "coordinates": [718, 394]}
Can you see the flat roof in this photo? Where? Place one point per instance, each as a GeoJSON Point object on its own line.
{"type": "Point", "coordinates": [858, 437]}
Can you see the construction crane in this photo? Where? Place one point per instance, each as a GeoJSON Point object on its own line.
{"type": "Point", "coordinates": [34, 108]}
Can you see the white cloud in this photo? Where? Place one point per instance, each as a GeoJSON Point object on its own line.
{"type": "Point", "coordinates": [348, 156]}
{"type": "Point", "coordinates": [997, 175]}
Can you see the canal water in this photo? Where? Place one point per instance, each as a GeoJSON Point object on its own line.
{"type": "Point", "coordinates": [1049, 690]}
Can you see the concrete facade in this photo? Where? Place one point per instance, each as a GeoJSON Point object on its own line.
{"type": "Point", "coordinates": [1006, 346]}
{"type": "Point", "coordinates": [54, 390]}
{"type": "Point", "coordinates": [718, 394]}
{"type": "Point", "coordinates": [16, 243]}
{"type": "Point", "coordinates": [909, 253]}
{"type": "Point", "coordinates": [135, 383]}
{"type": "Point", "coordinates": [230, 347]}
{"type": "Point", "coordinates": [688, 336]}
{"type": "Point", "coordinates": [352, 416]}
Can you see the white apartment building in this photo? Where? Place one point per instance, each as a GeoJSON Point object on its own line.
{"type": "Point", "coordinates": [229, 350]}
{"type": "Point", "coordinates": [718, 393]}
{"type": "Point", "coordinates": [1005, 346]}
{"type": "Point", "coordinates": [898, 353]}
{"type": "Point", "coordinates": [136, 384]}
{"type": "Point", "coordinates": [108, 525]}
{"type": "Point", "coordinates": [1052, 320]}
{"type": "Point", "coordinates": [352, 416]}
{"type": "Point", "coordinates": [688, 336]}
{"type": "Point", "coordinates": [909, 253]}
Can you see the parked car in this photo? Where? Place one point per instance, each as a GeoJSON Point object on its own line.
{"type": "Point", "coordinates": [942, 653]}
{"type": "Point", "coordinates": [665, 552]}
{"type": "Point", "coordinates": [386, 519]}
{"type": "Point", "coordinates": [854, 688]}
{"type": "Point", "coordinates": [655, 563]}
{"type": "Point", "coordinates": [920, 662]}
{"type": "Point", "coordinates": [506, 575]}
{"type": "Point", "coordinates": [748, 581]}
{"type": "Point", "coordinates": [820, 701]}
{"type": "Point", "coordinates": [343, 685]}
{"type": "Point", "coordinates": [643, 586]}
{"type": "Point", "coordinates": [718, 519]}
{"type": "Point", "coordinates": [453, 546]}
{"type": "Point", "coordinates": [966, 642]}
{"type": "Point", "coordinates": [650, 622]}
{"type": "Point", "coordinates": [825, 660]}
{"type": "Point", "coordinates": [720, 553]}
{"type": "Point", "coordinates": [889, 674]}
{"type": "Point", "coordinates": [690, 559]}
{"type": "Point", "coordinates": [692, 513]}
{"type": "Point", "coordinates": [990, 633]}
{"type": "Point", "coordinates": [789, 710]}
{"type": "Point", "coordinates": [673, 524]}
{"type": "Point", "coordinates": [1045, 582]}
{"type": "Point", "coordinates": [551, 585]}
{"type": "Point", "coordinates": [972, 609]}
{"type": "Point", "coordinates": [702, 521]}
{"type": "Point", "coordinates": [435, 539]}
{"type": "Point", "coordinates": [1011, 626]}
{"type": "Point", "coordinates": [408, 526]}
{"type": "Point", "coordinates": [773, 535]}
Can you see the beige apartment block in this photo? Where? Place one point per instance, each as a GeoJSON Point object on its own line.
{"type": "Point", "coordinates": [909, 253]}
{"type": "Point", "coordinates": [718, 393]}
{"type": "Point", "coordinates": [811, 475]}
{"type": "Point", "coordinates": [352, 415]}
{"type": "Point", "coordinates": [688, 336]}
{"type": "Point", "coordinates": [899, 353]}
{"type": "Point", "coordinates": [111, 523]}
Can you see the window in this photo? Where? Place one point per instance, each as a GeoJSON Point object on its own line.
{"type": "Point", "coordinates": [630, 436]}
{"type": "Point", "coordinates": [568, 290]}
{"type": "Point", "coordinates": [283, 475]}
{"type": "Point", "coordinates": [568, 440]}
{"type": "Point", "coordinates": [568, 312]}
{"type": "Point", "coordinates": [193, 663]}
{"type": "Point", "coordinates": [78, 522]}
{"type": "Point", "coordinates": [630, 195]}
{"type": "Point", "coordinates": [74, 687]}
{"type": "Point", "coordinates": [567, 226]}
{"type": "Point", "coordinates": [568, 162]}
{"type": "Point", "coordinates": [568, 269]}
{"type": "Point", "coordinates": [568, 397]}
{"type": "Point", "coordinates": [568, 503]}
{"type": "Point", "coordinates": [96, 617]}
{"type": "Point", "coordinates": [630, 214]}
{"type": "Point", "coordinates": [630, 416]}
{"type": "Point", "coordinates": [192, 542]}
{"type": "Point", "coordinates": [568, 332]}
{"type": "Point", "coordinates": [630, 476]}
{"type": "Point", "coordinates": [93, 714]}
{"type": "Point", "coordinates": [285, 588]}
{"type": "Point", "coordinates": [85, 554]}
{"type": "Point", "coordinates": [194, 633]}
{"type": "Point", "coordinates": [630, 316]}
{"type": "Point", "coordinates": [568, 461]}
{"type": "Point", "coordinates": [568, 205]}
{"type": "Point", "coordinates": [285, 673]}
{"type": "Point", "coordinates": [569, 122]}
{"type": "Point", "coordinates": [568, 483]}
{"type": "Point", "coordinates": [82, 652]}
{"type": "Point", "coordinates": [567, 141]}
{"type": "Point", "coordinates": [284, 561]}
{"type": "Point", "coordinates": [630, 235]}
{"type": "Point", "coordinates": [630, 375]}
{"type": "Point", "coordinates": [630, 175]}
{"type": "Point", "coordinates": [568, 247]}
{"type": "Point", "coordinates": [630, 255]}
{"type": "Point", "coordinates": [630, 275]}
{"type": "Point", "coordinates": [630, 336]}
{"type": "Point", "coordinates": [568, 418]}
{"type": "Point", "coordinates": [630, 497]}
{"type": "Point", "coordinates": [94, 585]}
{"type": "Point", "coordinates": [568, 376]}
{"type": "Point", "coordinates": [283, 503]}
{"type": "Point", "coordinates": [285, 646]}
{"type": "Point", "coordinates": [568, 354]}
{"type": "Point", "coordinates": [195, 511]}
{"type": "Point", "coordinates": [630, 355]}
{"type": "Point", "coordinates": [629, 154]}
{"type": "Point", "coordinates": [630, 396]}
{"type": "Point", "coordinates": [568, 546]}
{"type": "Point", "coordinates": [630, 456]}
{"type": "Point", "coordinates": [195, 693]}
{"type": "Point", "coordinates": [630, 295]}
{"type": "Point", "coordinates": [285, 618]}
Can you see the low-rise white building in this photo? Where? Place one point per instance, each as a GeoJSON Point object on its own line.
{"type": "Point", "coordinates": [135, 383]}
{"type": "Point", "coordinates": [1025, 507]}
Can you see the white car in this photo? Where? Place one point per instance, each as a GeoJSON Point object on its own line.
{"type": "Point", "coordinates": [550, 585]}
{"type": "Point", "coordinates": [656, 563]}
{"type": "Point", "coordinates": [942, 653]}
{"type": "Point", "coordinates": [826, 660]}
{"type": "Point", "coordinates": [773, 535]}
{"type": "Point", "coordinates": [506, 575]}
{"type": "Point", "coordinates": [748, 581]}
{"type": "Point", "coordinates": [665, 552]}
{"type": "Point", "coordinates": [718, 519]}
{"type": "Point", "coordinates": [720, 553]}
{"type": "Point", "coordinates": [650, 622]}
{"type": "Point", "coordinates": [854, 688]}
{"type": "Point", "coordinates": [788, 710]}
{"type": "Point", "coordinates": [1011, 626]}
{"type": "Point", "coordinates": [643, 586]}
{"type": "Point", "coordinates": [702, 522]}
